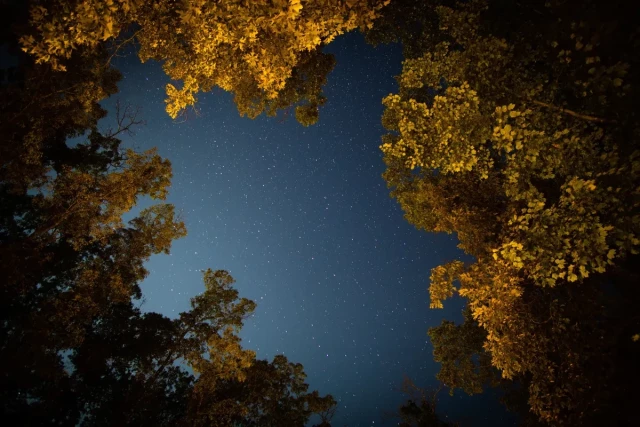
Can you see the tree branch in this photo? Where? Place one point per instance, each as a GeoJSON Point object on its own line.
{"type": "Point", "coordinates": [120, 46]}
{"type": "Point", "coordinates": [573, 113]}
{"type": "Point", "coordinates": [126, 119]}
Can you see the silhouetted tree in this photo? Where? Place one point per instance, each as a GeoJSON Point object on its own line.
{"type": "Point", "coordinates": [420, 408]}
{"type": "Point", "coordinates": [74, 348]}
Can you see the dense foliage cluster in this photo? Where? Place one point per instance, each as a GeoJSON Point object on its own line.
{"type": "Point", "coordinates": [517, 129]}
{"type": "Point", "coordinates": [267, 53]}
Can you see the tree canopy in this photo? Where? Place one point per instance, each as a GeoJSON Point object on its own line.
{"type": "Point", "coordinates": [76, 349]}
{"type": "Point", "coordinates": [516, 128]}
{"type": "Point", "coordinates": [268, 54]}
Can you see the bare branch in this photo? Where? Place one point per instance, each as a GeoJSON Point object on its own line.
{"type": "Point", "coordinates": [120, 45]}
{"type": "Point", "coordinates": [126, 120]}
{"type": "Point", "coordinates": [184, 115]}
{"type": "Point", "coordinates": [573, 113]}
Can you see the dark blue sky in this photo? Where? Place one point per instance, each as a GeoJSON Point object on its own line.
{"type": "Point", "coordinates": [303, 220]}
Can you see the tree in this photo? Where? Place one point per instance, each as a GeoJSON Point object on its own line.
{"type": "Point", "coordinates": [517, 129]}
{"type": "Point", "coordinates": [271, 394]}
{"type": "Point", "coordinates": [420, 408]}
{"type": "Point", "coordinates": [410, 22]}
{"type": "Point", "coordinates": [465, 363]}
{"type": "Point", "coordinates": [130, 370]}
{"type": "Point", "coordinates": [117, 375]}
{"type": "Point", "coordinates": [135, 362]}
{"type": "Point", "coordinates": [266, 53]}
{"type": "Point", "coordinates": [232, 387]}
{"type": "Point", "coordinates": [66, 255]}
{"type": "Point", "coordinates": [75, 350]}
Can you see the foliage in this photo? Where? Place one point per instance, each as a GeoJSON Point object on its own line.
{"type": "Point", "coordinates": [130, 370]}
{"type": "Point", "coordinates": [75, 349]}
{"type": "Point", "coordinates": [517, 129]}
{"type": "Point", "coordinates": [442, 279]}
{"type": "Point", "coordinates": [465, 363]}
{"type": "Point", "coordinates": [136, 363]}
{"type": "Point", "coordinates": [420, 408]}
{"type": "Point", "coordinates": [271, 394]}
{"type": "Point", "coordinates": [410, 22]}
{"type": "Point", "coordinates": [266, 53]}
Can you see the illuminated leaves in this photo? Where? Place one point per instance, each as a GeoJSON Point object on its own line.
{"type": "Point", "coordinates": [178, 100]}
{"type": "Point", "coordinates": [232, 385]}
{"type": "Point", "coordinates": [465, 364]}
{"type": "Point", "coordinates": [67, 26]}
{"type": "Point", "coordinates": [248, 48]}
{"type": "Point", "coordinates": [459, 130]}
{"type": "Point", "coordinates": [442, 279]}
{"type": "Point", "coordinates": [87, 208]}
{"type": "Point", "coordinates": [510, 144]}
{"type": "Point", "coordinates": [449, 136]}
{"type": "Point", "coordinates": [271, 39]}
{"type": "Point", "coordinates": [71, 265]}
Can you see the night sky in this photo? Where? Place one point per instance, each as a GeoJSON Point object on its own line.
{"type": "Point", "coordinates": [302, 219]}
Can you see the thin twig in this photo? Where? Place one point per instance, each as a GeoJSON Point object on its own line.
{"type": "Point", "coordinates": [126, 119]}
{"type": "Point", "coordinates": [120, 46]}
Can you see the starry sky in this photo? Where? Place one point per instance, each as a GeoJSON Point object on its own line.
{"type": "Point", "coordinates": [302, 219]}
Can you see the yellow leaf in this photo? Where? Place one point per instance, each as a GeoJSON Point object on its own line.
{"type": "Point", "coordinates": [294, 8]}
